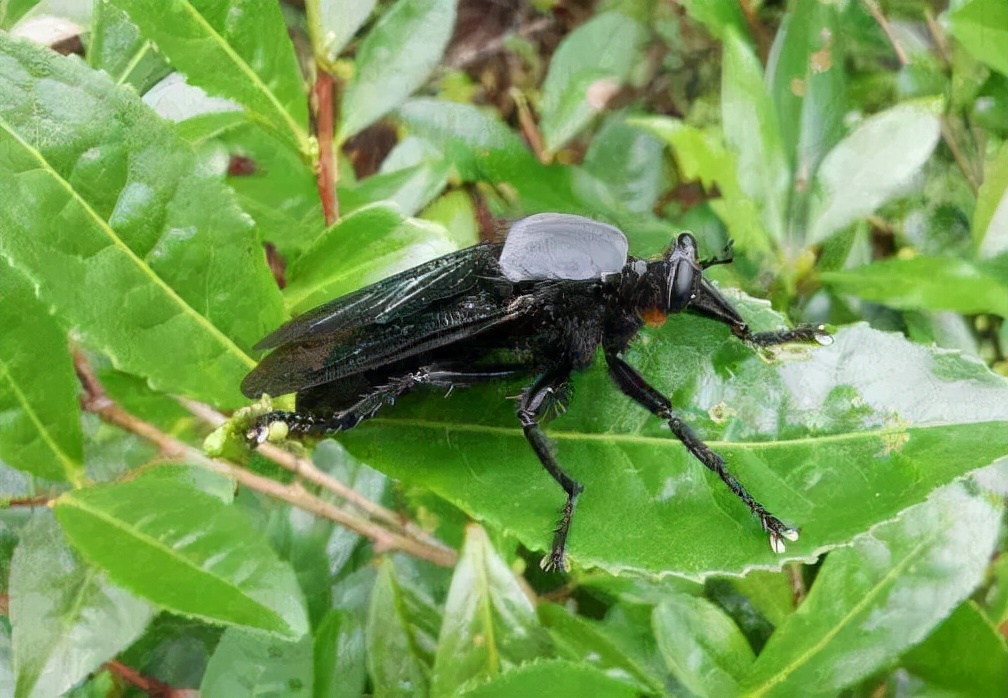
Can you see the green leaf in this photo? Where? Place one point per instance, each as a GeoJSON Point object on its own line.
{"type": "Point", "coordinates": [996, 598]}
{"type": "Point", "coordinates": [252, 664]}
{"type": "Point", "coordinates": [117, 47]}
{"type": "Point", "coordinates": [875, 163]}
{"type": "Point", "coordinates": [588, 643]}
{"type": "Point", "coordinates": [408, 189]}
{"type": "Point", "coordinates": [623, 170]}
{"type": "Point", "coordinates": [700, 154]}
{"type": "Point", "coordinates": [66, 618]}
{"type": "Point", "coordinates": [483, 149]}
{"type": "Point", "coordinates": [771, 593]}
{"type": "Point", "coordinates": [752, 130]}
{"type": "Point", "coordinates": [186, 551]}
{"type": "Point", "coordinates": [872, 601]}
{"type": "Point", "coordinates": [331, 24]}
{"type": "Point", "coordinates": [990, 219]}
{"type": "Point", "coordinates": [981, 26]}
{"type": "Point", "coordinates": [834, 442]}
{"type": "Point", "coordinates": [718, 16]}
{"type": "Point", "coordinates": [562, 679]}
{"type": "Point", "coordinates": [174, 281]}
{"type": "Point", "coordinates": [807, 82]}
{"type": "Point", "coordinates": [340, 671]}
{"type": "Point", "coordinates": [929, 283]}
{"type": "Point", "coordinates": [489, 623]}
{"type": "Point", "coordinates": [39, 410]}
{"type": "Point", "coordinates": [597, 56]}
{"type": "Point", "coordinates": [401, 637]}
{"type": "Point", "coordinates": [232, 49]}
{"type": "Point", "coordinates": [964, 656]}
{"type": "Point", "coordinates": [281, 194]}
{"type": "Point", "coordinates": [702, 647]}
{"type": "Point", "coordinates": [370, 244]}
{"type": "Point", "coordinates": [395, 59]}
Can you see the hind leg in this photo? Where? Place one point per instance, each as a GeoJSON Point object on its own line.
{"type": "Point", "coordinates": [308, 422]}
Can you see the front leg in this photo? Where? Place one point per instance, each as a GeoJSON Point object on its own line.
{"type": "Point", "coordinates": [710, 303]}
{"type": "Point", "coordinates": [633, 385]}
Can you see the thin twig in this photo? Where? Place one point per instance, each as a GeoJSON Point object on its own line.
{"type": "Point", "coordinates": [529, 128]}
{"type": "Point", "coordinates": [961, 161]}
{"type": "Point", "coordinates": [798, 590]}
{"type": "Point", "coordinates": [880, 19]}
{"type": "Point", "coordinates": [148, 685]}
{"type": "Point", "coordinates": [97, 401]}
{"type": "Point", "coordinates": [310, 472]}
{"type": "Point", "coordinates": [326, 170]}
{"type": "Point", "coordinates": [938, 36]}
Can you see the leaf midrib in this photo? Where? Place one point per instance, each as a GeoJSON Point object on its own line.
{"type": "Point", "coordinates": [633, 438]}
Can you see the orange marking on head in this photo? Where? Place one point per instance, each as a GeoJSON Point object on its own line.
{"type": "Point", "coordinates": [654, 317]}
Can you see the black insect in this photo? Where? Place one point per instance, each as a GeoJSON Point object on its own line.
{"type": "Point", "coordinates": [538, 305]}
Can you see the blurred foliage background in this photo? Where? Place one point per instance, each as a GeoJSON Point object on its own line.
{"type": "Point", "coordinates": [178, 178]}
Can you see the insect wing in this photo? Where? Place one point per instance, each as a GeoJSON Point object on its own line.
{"type": "Point", "coordinates": [397, 296]}
{"type": "Point", "coordinates": [562, 246]}
{"type": "Point", "coordinates": [330, 356]}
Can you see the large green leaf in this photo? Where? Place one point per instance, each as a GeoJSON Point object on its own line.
{"type": "Point", "coordinates": [834, 441]}
{"type": "Point", "coordinates": [927, 283]}
{"type": "Point", "coordinates": [39, 413]}
{"type": "Point", "coordinates": [66, 617]}
{"type": "Point", "coordinates": [870, 166]}
{"type": "Point", "coordinates": [124, 234]}
{"type": "Point", "coordinates": [186, 551]}
{"type": "Point", "coordinates": [234, 49]}
{"type": "Point", "coordinates": [872, 601]}
{"type": "Point", "coordinates": [394, 60]}
{"type": "Point", "coordinates": [489, 623]}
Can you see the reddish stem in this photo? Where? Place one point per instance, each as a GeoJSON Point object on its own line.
{"type": "Point", "coordinates": [326, 171]}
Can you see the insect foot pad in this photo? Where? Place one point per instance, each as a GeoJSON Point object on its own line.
{"type": "Point", "coordinates": [776, 542]}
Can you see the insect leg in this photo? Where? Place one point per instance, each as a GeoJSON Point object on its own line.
{"type": "Point", "coordinates": [634, 386]}
{"type": "Point", "coordinates": [710, 303]}
{"type": "Point", "coordinates": [546, 393]}
{"type": "Point", "coordinates": [436, 375]}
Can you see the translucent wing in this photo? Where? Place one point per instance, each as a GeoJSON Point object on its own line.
{"type": "Point", "coordinates": [562, 246]}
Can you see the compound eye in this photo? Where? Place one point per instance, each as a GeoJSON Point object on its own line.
{"type": "Point", "coordinates": [686, 244]}
{"type": "Point", "coordinates": [682, 281]}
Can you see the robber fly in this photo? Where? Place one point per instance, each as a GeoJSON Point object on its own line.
{"type": "Point", "coordinates": [539, 305]}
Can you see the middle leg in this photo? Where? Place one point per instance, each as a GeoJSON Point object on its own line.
{"type": "Point", "coordinates": [549, 392]}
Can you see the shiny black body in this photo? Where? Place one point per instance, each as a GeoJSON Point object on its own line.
{"type": "Point", "coordinates": [540, 305]}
